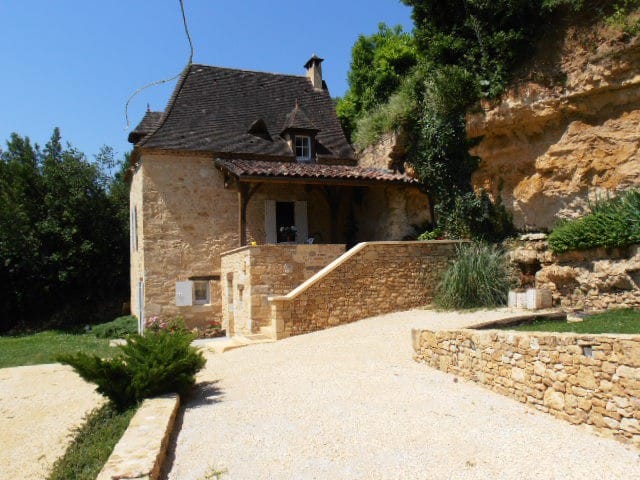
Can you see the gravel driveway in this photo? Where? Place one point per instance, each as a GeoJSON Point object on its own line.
{"type": "Point", "coordinates": [350, 403]}
{"type": "Point", "coordinates": [39, 407]}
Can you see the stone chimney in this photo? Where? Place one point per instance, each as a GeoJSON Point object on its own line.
{"type": "Point", "coordinates": [314, 71]}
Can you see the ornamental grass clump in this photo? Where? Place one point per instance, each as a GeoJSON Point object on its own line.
{"type": "Point", "coordinates": [159, 362]}
{"type": "Point", "coordinates": [481, 276]}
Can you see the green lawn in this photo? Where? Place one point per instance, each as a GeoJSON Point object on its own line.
{"type": "Point", "coordinates": [613, 321]}
{"type": "Point", "coordinates": [44, 346]}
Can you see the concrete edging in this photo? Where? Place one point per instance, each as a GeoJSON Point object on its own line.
{"type": "Point", "coordinates": [141, 451]}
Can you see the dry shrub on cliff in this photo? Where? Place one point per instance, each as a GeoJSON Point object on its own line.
{"type": "Point", "coordinates": [481, 276]}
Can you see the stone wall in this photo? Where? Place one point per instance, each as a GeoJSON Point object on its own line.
{"type": "Point", "coordinates": [391, 213]}
{"type": "Point", "coordinates": [252, 274]}
{"type": "Point", "coordinates": [387, 153]}
{"type": "Point", "coordinates": [584, 379]}
{"type": "Point", "coordinates": [595, 279]}
{"type": "Point", "coordinates": [370, 279]}
{"type": "Point", "coordinates": [189, 220]}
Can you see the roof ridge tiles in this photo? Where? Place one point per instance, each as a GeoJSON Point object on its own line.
{"type": "Point", "coordinates": [249, 70]}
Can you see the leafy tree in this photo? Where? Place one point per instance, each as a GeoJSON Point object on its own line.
{"type": "Point", "coordinates": [63, 241]}
{"type": "Point", "coordinates": [379, 63]}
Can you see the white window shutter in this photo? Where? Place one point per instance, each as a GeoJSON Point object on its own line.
{"type": "Point", "coordinates": [302, 226]}
{"type": "Point", "coordinates": [184, 294]}
{"type": "Point", "coordinates": [270, 221]}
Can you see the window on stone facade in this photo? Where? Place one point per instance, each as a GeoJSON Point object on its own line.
{"type": "Point", "coordinates": [134, 229]}
{"type": "Point", "coordinates": [201, 292]}
{"type": "Point", "coordinates": [303, 148]}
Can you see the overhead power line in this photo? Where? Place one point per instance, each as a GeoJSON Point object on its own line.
{"type": "Point", "coordinates": [166, 80]}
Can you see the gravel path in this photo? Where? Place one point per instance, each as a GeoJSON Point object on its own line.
{"type": "Point", "coordinates": [39, 407]}
{"type": "Point", "coordinates": [350, 403]}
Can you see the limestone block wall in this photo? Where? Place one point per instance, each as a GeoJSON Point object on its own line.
{"type": "Point", "coordinates": [383, 154]}
{"type": "Point", "coordinates": [391, 213]}
{"type": "Point", "coordinates": [252, 274]}
{"type": "Point", "coordinates": [584, 379]}
{"type": "Point", "coordinates": [189, 220]}
{"type": "Point", "coordinates": [370, 279]}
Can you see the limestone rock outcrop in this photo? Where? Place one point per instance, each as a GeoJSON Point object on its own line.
{"type": "Point", "coordinates": [551, 146]}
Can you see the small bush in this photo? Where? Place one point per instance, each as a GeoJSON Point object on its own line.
{"type": "Point", "coordinates": [118, 328]}
{"type": "Point", "coordinates": [613, 222]}
{"type": "Point", "coordinates": [481, 276]}
{"type": "Point", "coordinates": [150, 365]}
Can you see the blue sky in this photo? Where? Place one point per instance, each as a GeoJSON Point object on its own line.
{"type": "Point", "coordinates": [74, 63]}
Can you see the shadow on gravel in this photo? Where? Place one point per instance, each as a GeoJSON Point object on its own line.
{"type": "Point", "coordinates": [204, 393]}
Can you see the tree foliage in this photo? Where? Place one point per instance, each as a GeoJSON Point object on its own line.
{"type": "Point", "coordinates": [63, 233]}
{"type": "Point", "coordinates": [463, 51]}
{"type": "Point", "coordinates": [379, 64]}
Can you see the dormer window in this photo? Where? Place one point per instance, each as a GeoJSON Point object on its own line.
{"type": "Point", "coordinates": [303, 148]}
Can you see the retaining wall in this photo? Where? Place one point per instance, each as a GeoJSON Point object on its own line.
{"type": "Point", "coordinates": [370, 279]}
{"type": "Point", "coordinates": [584, 379]}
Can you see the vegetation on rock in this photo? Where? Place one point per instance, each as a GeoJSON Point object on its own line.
{"type": "Point", "coordinates": [612, 222]}
{"type": "Point", "coordinates": [467, 50]}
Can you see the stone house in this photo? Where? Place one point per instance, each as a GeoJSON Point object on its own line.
{"type": "Point", "coordinates": [241, 158]}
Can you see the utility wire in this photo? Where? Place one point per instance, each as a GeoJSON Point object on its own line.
{"type": "Point", "coordinates": [166, 80]}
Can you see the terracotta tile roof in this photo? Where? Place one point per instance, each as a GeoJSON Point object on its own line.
{"type": "Point", "coordinates": [213, 108]}
{"type": "Point", "coordinates": [311, 171]}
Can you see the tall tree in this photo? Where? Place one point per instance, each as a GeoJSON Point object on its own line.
{"type": "Point", "coordinates": [63, 242]}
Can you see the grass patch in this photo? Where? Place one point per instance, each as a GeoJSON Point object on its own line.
{"type": "Point", "coordinates": [93, 444]}
{"type": "Point", "coordinates": [43, 347]}
{"type": "Point", "coordinates": [613, 321]}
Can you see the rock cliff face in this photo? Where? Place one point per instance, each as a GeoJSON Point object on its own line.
{"type": "Point", "coordinates": [549, 147]}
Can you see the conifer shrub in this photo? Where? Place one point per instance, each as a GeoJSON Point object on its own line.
{"type": "Point", "coordinates": [156, 363]}
{"type": "Point", "coordinates": [481, 276]}
{"type": "Point", "coordinates": [612, 222]}
{"type": "Point", "coordinates": [118, 328]}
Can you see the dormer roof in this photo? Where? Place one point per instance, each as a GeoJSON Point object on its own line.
{"type": "Point", "coordinates": [296, 119]}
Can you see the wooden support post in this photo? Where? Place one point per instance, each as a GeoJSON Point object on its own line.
{"type": "Point", "coordinates": [242, 214]}
{"type": "Point", "coordinates": [245, 192]}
